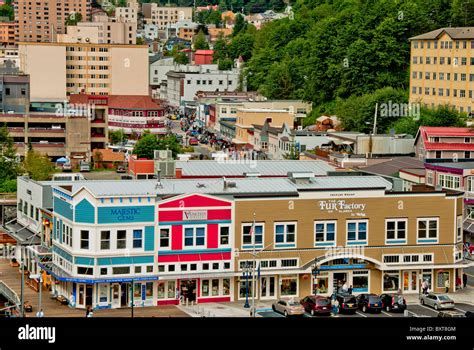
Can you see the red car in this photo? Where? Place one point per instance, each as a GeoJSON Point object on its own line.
{"type": "Point", "coordinates": [315, 304]}
{"type": "Point", "coordinates": [193, 141]}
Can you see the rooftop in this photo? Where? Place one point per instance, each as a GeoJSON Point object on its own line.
{"type": "Point", "coordinates": [267, 168]}
{"type": "Point", "coordinates": [242, 187]}
{"type": "Point", "coordinates": [393, 165]}
{"type": "Point", "coordinates": [453, 32]}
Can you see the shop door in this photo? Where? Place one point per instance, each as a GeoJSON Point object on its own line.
{"type": "Point", "coordinates": [188, 290]}
{"type": "Point", "coordinates": [81, 295]}
{"type": "Point", "coordinates": [267, 287]}
{"type": "Point", "coordinates": [410, 281]}
{"type": "Point", "coordinates": [89, 294]}
{"type": "Point", "coordinates": [338, 280]}
{"type": "Point", "coordinates": [115, 295]}
{"type": "Point", "coordinates": [124, 287]}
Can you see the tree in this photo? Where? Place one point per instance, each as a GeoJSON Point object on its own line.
{"type": "Point", "coordinates": [146, 146]}
{"type": "Point", "coordinates": [239, 25]}
{"type": "Point", "coordinates": [73, 19]}
{"type": "Point", "coordinates": [9, 166]}
{"type": "Point", "coordinates": [38, 166]}
{"type": "Point", "coordinates": [117, 136]}
{"type": "Point", "coordinates": [97, 157]}
{"type": "Point", "coordinates": [200, 42]}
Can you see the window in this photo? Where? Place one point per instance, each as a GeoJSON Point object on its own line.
{"type": "Point", "coordinates": [289, 263]}
{"type": "Point", "coordinates": [137, 238]}
{"type": "Point", "coordinates": [360, 281]}
{"type": "Point", "coordinates": [459, 229]}
{"type": "Point", "coordinates": [205, 266]}
{"type": "Point", "coordinates": [391, 281]}
{"type": "Point", "coordinates": [85, 270]}
{"type": "Point", "coordinates": [289, 286]}
{"type": "Point", "coordinates": [427, 230]}
{"type": "Point", "coordinates": [449, 181]}
{"type": "Point", "coordinates": [357, 232]}
{"type": "Point", "coordinates": [103, 271]}
{"type": "Point", "coordinates": [395, 231]}
{"type": "Point", "coordinates": [121, 239]}
{"type": "Point", "coordinates": [164, 237]}
{"type": "Point", "coordinates": [84, 239]}
{"type": "Point", "coordinates": [138, 269]}
{"type": "Point", "coordinates": [224, 235]}
{"type": "Point", "coordinates": [325, 233]}
{"type": "Point", "coordinates": [249, 237]}
{"type": "Point", "coordinates": [285, 234]}
{"type": "Point", "coordinates": [122, 270]}
{"type": "Point", "coordinates": [194, 236]}
{"type": "Point", "coordinates": [104, 240]}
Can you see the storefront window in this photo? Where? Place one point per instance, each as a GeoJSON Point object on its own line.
{"type": "Point", "coordinates": [205, 288]}
{"type": "Point", "coordinates": [171, 289]}
{"type": "Point", "coordinates": [391, 281]}
{"type": "Point", "coordinates": [137, 291]}
{"type": "Point", "coordinates": [320, 285]}
{"type": "Point", "coordinates": [442, 277]}
{"type": "Point", "coordinates": [215, 288]}
{"type": "Point", "coordinates": [161, 290]}
{"type": "Point", "coordinates": [226, 287]}
{"type": "Point", "coordinates": [289, 286]}
{"type": "Point", "coordinates": [360, 281]}
{"type": "Point", "coordinates": [149, 290]}
{"type": "Point", "coordinates": [243, 289]}
{"type": "Point", "coordinates": [103, 292]}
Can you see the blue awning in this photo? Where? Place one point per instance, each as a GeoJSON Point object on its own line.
{"type": "Point", "coordinates": [60, 275]}
{"type": "Point", "coordinates": [62, 160]}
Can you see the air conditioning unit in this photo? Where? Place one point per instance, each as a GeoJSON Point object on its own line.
{"type": "Point", "coordinates": [166, 168]}
{"type": "Point", "coordinates": [163, 154]}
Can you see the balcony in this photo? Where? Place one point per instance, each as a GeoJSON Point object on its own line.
{"type": "Point", "coordinates": [46, 132]}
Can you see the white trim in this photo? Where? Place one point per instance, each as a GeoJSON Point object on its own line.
{"type": "Point", "coordinates": [396, 220]}
{"type": "Point", "coordinates": [427, 219]}
{"type": "Point", "coordinates": [246, 224]}
{"type": "Point", "coordinates": [325, 223]}
{"type": "Point", "coordinates": [285, 233]}
{"type": "Point", "coordinates": [169, 228]}
{"type": "Point", "coordinates": [357, 222]}
{"type": "Point", "coordinates": [228, 245]}
{"type": "Point", "coordinates": [194, 227]}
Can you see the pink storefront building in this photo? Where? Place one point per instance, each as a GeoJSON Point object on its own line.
{"type": "Point", "coordinates": [195, 249]}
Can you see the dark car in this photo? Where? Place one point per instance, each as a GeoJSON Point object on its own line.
{"type": "Point", "coordinates": [347, 303]}
{"type": "Point", "coordinates": [393, 302]}
{"type": "Point", "coordinates": [316, 305]}
{"type": "Point", "coordinates": [369, 302]}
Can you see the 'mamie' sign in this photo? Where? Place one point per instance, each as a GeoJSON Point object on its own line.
{"type": "Point", "coordinates": [189, 215]}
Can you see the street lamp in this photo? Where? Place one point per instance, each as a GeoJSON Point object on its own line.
{"type": "Point", "coordinates": [246, 272]}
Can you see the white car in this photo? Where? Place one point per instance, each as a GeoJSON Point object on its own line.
{"type": "Point", "coordinates": [437, 301]}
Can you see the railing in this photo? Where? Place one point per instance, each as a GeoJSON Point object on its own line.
{"type": "Point", "coordinates": [9, 293]}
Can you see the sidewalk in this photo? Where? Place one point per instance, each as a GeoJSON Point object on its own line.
{"type": "Point", "coordinates": [232, 309]}
{"type": "Point", "coordinates": [465, 295]}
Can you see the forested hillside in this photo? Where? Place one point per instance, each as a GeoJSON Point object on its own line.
{"type": "Point", "coordinates": [249, 6]}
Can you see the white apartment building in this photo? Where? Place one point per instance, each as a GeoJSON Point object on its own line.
{"type": "Point", "coordinates": [164, 16]}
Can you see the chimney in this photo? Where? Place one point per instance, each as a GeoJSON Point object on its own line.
{"type": "Point", "coordinates": [179, 173]}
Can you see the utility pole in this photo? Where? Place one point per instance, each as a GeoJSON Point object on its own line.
{"type": "Point", "coordinates": [22, 292]}
{"type": "Point", "coordinates": [375, 119]}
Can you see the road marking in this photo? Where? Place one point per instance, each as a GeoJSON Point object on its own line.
{"type": "Point", "coordinates": [411, 312]}
{"type": "Point", "coordinates": [386, 313]}
{"type": "Point", "coordinates": [429, 308]}
{"type": "Point", "coordinates": [460, 310]}
{"type": "Point", "coordinates": [360, 314]}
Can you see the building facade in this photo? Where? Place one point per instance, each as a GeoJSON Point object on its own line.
{"type": "Point", "coordinates": [165, 16]}
{"type": "Point", "coordinates": [95, 69]}
{"type": "Point", "coordinates": [441, 68]}
{"type": "Point", "coordinates": [169, 241]}
{"type": "Point", "coordinates": [39, 21]}
{"type": "Point", "coordinates": [7, 33]}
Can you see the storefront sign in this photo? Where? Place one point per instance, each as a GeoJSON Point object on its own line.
{"type": "Point", "coordinates": [341, 206]}
{"type": "Point", "coordinates": [125, 214]}
{"type": "Point", "coordinates": [189, 215]}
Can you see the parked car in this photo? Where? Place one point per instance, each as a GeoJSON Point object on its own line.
{"type": "Point", "coordinates": [347, 302]}
{"type": "Point", "coordinates": [367, 302]}
{"type": "Point", "coordinates": [288, 307]}
{"type": "Point", "coordinates": [316, 304]}
{"type": "Point", "coordinates": [450, 313]}
{"type": "Point", "coordinates": [84, 166]}
{"type": "Point", "coordinates": [120, 169]}
{"type": "Point", "coordinates": [193, 141]}
{"type": "Point", "coordinates": [67, 167]}
{"type": "Point", "coordinates": [437, 301]}
{"type": "Point", "coordinates": [393, 302]}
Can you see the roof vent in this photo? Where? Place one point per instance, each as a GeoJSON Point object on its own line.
{"type": "Point", "coordinates": [300, 177]}
{"type": "Point", "coordinates": [229, 184]}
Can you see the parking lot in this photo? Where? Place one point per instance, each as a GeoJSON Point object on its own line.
{"type": "Point", "coordinates": [414, 310]}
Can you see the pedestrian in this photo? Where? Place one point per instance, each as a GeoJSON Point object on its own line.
{"type": "Point", "coordinates": [345, 288]}
{"type": "Point", "coordinates": [88, 311]}
{"type": "Point", "coordinates": [458, 283]}
{"type": "Point", "coordinates": [446, 285]}
{"type": "Point", "coordinates": [40, 313]}
{"type": "Point", "coordinates": [350, 290]}
{"type": "Point", "coordinates": [335, 307]}
{"type": "Point", "coordinates": [424, 287]}
{"type": "Point", "coordinates": [464, 280]}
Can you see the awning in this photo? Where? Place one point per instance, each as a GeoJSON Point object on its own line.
{"type": "Point", "coordinates": [62, 276]}
{"type": "Point", "coordinates": [23, 235]}
{"type": "Point", "coordinates": [62, 160]}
